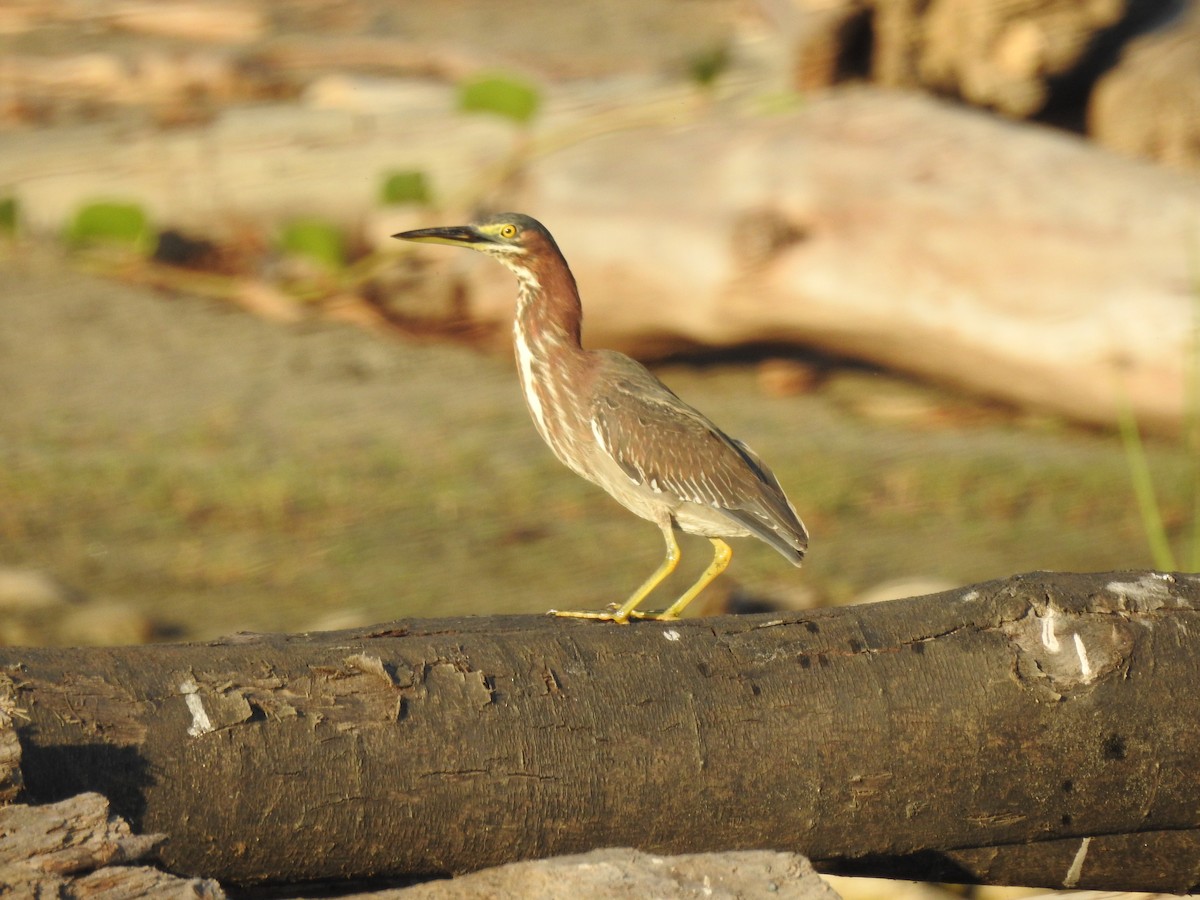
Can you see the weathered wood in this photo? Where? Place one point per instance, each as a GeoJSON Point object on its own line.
{"type": "Point", "coordinates": [1042, 707]}
{"type": "Point", "coordinates": [68, 836]}
{"type": "Point", "coordinates": [75, 848]}
{"type": "Point", "coordinates": [623, 873]}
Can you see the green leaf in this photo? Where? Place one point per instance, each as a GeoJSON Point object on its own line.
{"type": "Point", "coordinates": [503, 95]}
{"type": "Point", "coordinates": [706, 66]}
{"type": "Point", "coordinates": [10, 214]}
{"type": "Point", "coordinates": [315, 240]}
{"type": "Point", "coordinates": [110, 222]}
{"type": "Point", "coordinates": [405, 186]}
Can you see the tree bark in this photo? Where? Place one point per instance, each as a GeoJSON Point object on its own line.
{"type": "Point", "coordinates": [1041, 709]}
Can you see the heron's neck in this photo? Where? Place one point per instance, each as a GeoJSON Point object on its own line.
{"type": "Point", "coordinates": [549, 313]}
{"type": "Point", "coordinates": [551, 364]}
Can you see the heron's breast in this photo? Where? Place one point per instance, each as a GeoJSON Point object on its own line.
{"type": "Point", "coordinates": [554, 383]}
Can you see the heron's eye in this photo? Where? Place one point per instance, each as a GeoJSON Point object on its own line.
{"type": "Point", "coordinates": [508, 231]}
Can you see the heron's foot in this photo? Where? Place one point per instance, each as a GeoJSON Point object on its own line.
{"type": "Point", "coordinates": [606, 616]}
{"type": "Point", "coordinates": [655, 615]}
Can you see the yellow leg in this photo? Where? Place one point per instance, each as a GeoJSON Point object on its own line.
{"type": "Point", "coordinates": [721, 557]}
{"type": "Point", "coordinates": [622, 613]}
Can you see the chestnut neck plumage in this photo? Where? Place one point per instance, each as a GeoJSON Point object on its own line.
{"type": "Point", "coordinates": [553, 366]}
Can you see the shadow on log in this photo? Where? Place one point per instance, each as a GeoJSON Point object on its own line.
{"type": "Point", "coordinates": [1040, 729]}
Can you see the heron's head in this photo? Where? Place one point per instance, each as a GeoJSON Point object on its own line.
{"type": "Point", "coordinates": [517, 241]}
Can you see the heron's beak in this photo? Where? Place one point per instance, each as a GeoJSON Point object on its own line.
{"type": "Point", "coordinates": [455, 236]}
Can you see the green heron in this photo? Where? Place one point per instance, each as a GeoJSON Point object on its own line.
{"type": "Point", "coordinates": [611, 421]}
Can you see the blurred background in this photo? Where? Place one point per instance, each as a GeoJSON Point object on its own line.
{"type": "Point", "coordinates": [937, 263]}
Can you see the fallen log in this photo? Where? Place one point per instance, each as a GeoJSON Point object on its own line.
{"type": "Point", "coordinates": [628, 873]}
{"type": "Point", "coordinates": [1040, 708]}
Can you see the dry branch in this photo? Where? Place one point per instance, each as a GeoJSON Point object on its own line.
{"type": "Point", "coordinates": [1035, 711]}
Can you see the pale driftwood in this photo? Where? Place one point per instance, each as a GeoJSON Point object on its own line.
{"type": "Point", "coordinates": [623, 874]}
{"type": "Point", "coordinates": [76, 848]}
{"type": "Point", "coordinates": [68, 836]}
{"type": "Point", "coordinates": [1047, 707]}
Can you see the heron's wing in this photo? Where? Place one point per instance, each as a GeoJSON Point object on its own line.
{"type": "Point", "coordinates": [664, 444]}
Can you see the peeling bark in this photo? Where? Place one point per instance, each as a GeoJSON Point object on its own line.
{"type": "Point", "coordinates": [76, 850]}
{"type": "Point", "coordinates": [1037, 710]}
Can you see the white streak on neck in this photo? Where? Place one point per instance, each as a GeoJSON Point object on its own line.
{"type": "Point", "coordinates": [525, 362]}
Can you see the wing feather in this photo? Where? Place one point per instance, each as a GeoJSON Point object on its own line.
{"type": "Point", "coordinates": [661, 442]}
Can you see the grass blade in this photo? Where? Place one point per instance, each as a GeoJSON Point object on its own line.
{"type": "Point", "coordinates": [1143, 489]}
